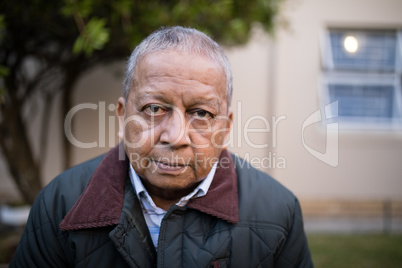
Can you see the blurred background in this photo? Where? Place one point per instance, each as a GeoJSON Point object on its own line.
{"type": "Point", "coordinates": [317, 104]}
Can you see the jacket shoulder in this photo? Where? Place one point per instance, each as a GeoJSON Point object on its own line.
{"type": "Point", "coordinates": [42, 243]}
{"type": "Point", "coordinates": [261, 197]}
{"type": "Point", "coordinates": [64, 190]}
{"type": "Point", "coordinates": [270, 216]}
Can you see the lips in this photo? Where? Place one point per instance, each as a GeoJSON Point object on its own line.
{"type": "Point", "coordinates": [170, 168]}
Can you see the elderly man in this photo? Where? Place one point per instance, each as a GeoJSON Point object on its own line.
{"type": "Point", "coordinates": [169, 195]}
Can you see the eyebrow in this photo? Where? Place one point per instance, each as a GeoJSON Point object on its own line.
{"type": "Point", "coordinates": [146, 95]}
{"type": "Point", "coordinates": [211, 102]}
{"type": "Point", "coordinates": [161, 97]}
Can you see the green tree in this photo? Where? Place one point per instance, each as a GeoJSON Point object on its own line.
{"type": "Point", "coordinates": [45, 46]}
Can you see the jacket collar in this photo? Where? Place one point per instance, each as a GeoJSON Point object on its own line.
{"type": "Point", "coordinates": [221, 199]}
{"type": "Point", "coordinates": [101, 202]}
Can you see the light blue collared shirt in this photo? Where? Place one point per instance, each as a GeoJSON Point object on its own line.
{"type": "Point", "coordinates": [153, 215]}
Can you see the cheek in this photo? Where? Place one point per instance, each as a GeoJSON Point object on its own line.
{"type": "Point", "coordinates": [210, 140]}
{"type": "Point", "coordinates": [209, 151]}
{"type": "Point", "coordinates": [138, 144]}
{"type": "Point", "coordinates": [217, 136]}
{"type": "Point", "coordinates": [138, 135]}
{"type": "Point", "coordinates": [134, 133]}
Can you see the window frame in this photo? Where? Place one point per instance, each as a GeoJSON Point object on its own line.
{"type": "Point", "coordinates": [329, 75]}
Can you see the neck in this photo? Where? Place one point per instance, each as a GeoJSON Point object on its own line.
{"type": "Point", "coordinates": [163, 203]}
{"type": "Point", "coordinates": [164, 198]}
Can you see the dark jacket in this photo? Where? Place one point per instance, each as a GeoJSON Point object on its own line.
{"type": "Point", "coordinates": [90, 216]}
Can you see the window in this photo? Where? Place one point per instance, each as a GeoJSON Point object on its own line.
{"type": "Point", "coordinates": [362, 71]}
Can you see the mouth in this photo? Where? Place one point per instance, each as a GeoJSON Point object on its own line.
{"type": "Point", "coordinates": [169, 168]}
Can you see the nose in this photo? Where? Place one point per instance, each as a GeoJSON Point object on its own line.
{"type": "Point", "coordinates": [174, 131]}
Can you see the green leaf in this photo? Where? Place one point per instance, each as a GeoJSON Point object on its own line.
{"type": "Point", "coordinates": [72, 7]}
{"type": "Point", "coordinates": [4, 71]}
{"type": "Point", "coordinates": [94, 37]}
{"type": "Point", "coordinates": [79, 45]}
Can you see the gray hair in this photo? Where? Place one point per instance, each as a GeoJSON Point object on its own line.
{"type": "Point", "coordinates": [182, 40]}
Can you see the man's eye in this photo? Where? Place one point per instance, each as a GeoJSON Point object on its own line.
{"type": "Point", "coordinates": [202, 114]}
{"type": "Point", "coordinates": [154, 110]}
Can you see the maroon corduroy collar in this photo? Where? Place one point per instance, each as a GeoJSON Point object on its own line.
{"type": "Point", "coordinates": [101, 202]}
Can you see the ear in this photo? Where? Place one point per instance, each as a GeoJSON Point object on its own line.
{"type": "Point", "coordinates": [120, 113]}
{"type": "Point", "coordinates": [229, 124]}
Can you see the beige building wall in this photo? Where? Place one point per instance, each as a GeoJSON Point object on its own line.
{"type": "Point", "coordinates": [369, 161]}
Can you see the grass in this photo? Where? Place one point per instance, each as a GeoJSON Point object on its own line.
{"type": "Point", "coordinates": [328, 251]}
{"type": "Point", "coordinates": [358, 250]}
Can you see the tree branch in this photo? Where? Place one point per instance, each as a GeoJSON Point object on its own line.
{"type": "Point", "coordinates": [45, 125]}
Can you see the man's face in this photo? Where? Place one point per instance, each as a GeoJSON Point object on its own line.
{"type": "Point", "coordinates": [175, 119]}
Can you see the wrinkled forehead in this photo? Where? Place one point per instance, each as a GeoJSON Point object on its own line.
{"type": "Point", "coordinates": [178, 53]}
{"type": "Point", "coordinates": [180, 65]}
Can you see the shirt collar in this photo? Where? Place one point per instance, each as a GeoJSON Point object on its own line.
{"type": "Point", "coordinates": [199, 191]}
